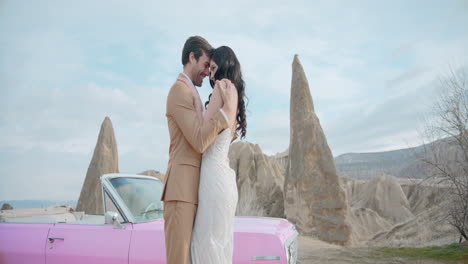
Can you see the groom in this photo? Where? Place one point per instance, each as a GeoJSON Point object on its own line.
{"type": "Point", "coordinates": [190, 136]}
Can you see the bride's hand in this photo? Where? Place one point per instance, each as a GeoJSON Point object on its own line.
{"type": "Point", "coordinates": [220, 88]}
{"type": "Point", "coordinates": [229, 95]}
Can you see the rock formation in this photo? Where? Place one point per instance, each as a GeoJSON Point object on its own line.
{"type": "Point", "coordinates": [6, 206]}
{"type": "Point", "coordinates": [424, 195]}
{"type": "Point", "coordinates": [259, 181]}
{"type": "Point", "coordinates": [313, 198]}
{"type": "Point", "coordinates": [281, 159]}
{"type": "Point", "coordinates": [428, 228]}
{"type": "Point", "coordinates": [392, 212]}
{"type": "Point", "coordinates": [385, 196]}
{"type": "Point", "coordinates": [105, 160]}
{"type": "Point", "coordinates": [153, 173]}
{"type": "Point", "coordinates": [366, 223]}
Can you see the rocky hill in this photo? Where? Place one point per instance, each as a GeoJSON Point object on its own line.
{"type": "Point", "coordinates": [401, 163]}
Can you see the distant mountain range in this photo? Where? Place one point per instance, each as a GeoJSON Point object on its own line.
{"type": "Point", "coordinates": [402, 163]}
{"type": "Point", "coordinates": [19, 204]}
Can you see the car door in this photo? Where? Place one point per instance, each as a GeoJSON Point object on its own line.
{"type": "Point", "coordinates": [148, 243]}
{"type": "Point", "coordinates": [87, 243]}
{"type": "Point", "coordinates": [23, 242]}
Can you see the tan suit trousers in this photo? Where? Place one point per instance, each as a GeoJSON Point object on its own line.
{"type": "Point", "coordinates": [179, 218]}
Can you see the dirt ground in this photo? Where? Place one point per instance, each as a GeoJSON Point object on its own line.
{"type": "Point", "coordinates": [313, 251]}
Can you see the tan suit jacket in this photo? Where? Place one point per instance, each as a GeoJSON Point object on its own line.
{"type": "Point", "coordinates": [190, 136]}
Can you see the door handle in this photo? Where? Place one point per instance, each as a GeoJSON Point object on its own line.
{"type": "Point", "coordinates": [52, 239]}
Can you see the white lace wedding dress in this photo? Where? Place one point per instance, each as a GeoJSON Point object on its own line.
{"type": "Point", "coordinates": [213, 231]}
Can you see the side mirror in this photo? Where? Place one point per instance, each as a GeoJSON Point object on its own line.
{"type": "Point", "coordinates": [112, 218]}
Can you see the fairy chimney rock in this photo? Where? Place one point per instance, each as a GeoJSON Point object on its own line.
{"type": "Point", "coordinates": [105, 160]}
{"type": "Point", "coordinates": [313, 198]}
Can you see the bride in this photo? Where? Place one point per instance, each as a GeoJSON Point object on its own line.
{"type": "Point", "coordinates": [213, 231]}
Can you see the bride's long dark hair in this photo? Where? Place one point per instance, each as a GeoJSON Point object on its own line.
{"type": "Point", "coordinates": [229, 68]}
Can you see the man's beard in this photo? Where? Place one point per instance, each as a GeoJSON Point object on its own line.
{"type": "Point", "coordinates": [197, 80]}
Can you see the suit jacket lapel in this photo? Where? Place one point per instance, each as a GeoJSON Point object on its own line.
{"type": "Point", "coordinates": [196, 96]}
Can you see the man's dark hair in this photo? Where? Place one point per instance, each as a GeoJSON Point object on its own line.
{"type": "Point", "coordinates": [197, 45]}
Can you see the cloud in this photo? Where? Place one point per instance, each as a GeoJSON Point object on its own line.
{"type": "Point", "coordinates": [58, 149]}
{"type": "Point", "coordinates": [405, 77]}
{"type": "Point", "coordinates": [391, 118]}
{"type": "Point", "coordinates": [65, 66]}
{"type": "Point", "coordinates": [270, 130]}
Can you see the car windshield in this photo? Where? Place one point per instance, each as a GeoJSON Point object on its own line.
{"type": "Point", "coordinates": [142, 197]}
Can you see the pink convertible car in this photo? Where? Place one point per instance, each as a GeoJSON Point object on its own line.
{"type": "Point", "coordinates": [130, 232]}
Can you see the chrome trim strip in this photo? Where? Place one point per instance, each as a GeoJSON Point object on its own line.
{"type": "Point", "coordinates": [291, 239]}
{"type": "Point", "coordinates": [288, 243]}
{"type": "Point", "coordinates": [265, 258]}
{"type": "Point", "coordinates": [123, 175]}
{"type": "Point", "coordinates": [119, 203]}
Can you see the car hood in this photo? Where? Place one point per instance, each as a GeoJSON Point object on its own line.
{"type": "Point", "coordinates": [266, 225]}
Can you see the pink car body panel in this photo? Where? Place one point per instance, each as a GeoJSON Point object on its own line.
{"type": "Point", "coordinates": [148, 244]}
{"type": "Point", "coordinates": [253, 236]}
{"type": "Point", "coordinates": [23, 243]}
{"type": "Point", "coordinates": [260, 236]}
{"type": "Point", "coordinates": [141, 243]}
{"type": "Point", "coordinates": [90, 244]}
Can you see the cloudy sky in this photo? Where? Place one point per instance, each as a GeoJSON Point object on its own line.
{"type": "Point", "coordinates": [372, 67]}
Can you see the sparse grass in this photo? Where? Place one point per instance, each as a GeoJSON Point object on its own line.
{"type": "Point", "coordinates": [449, 252]}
